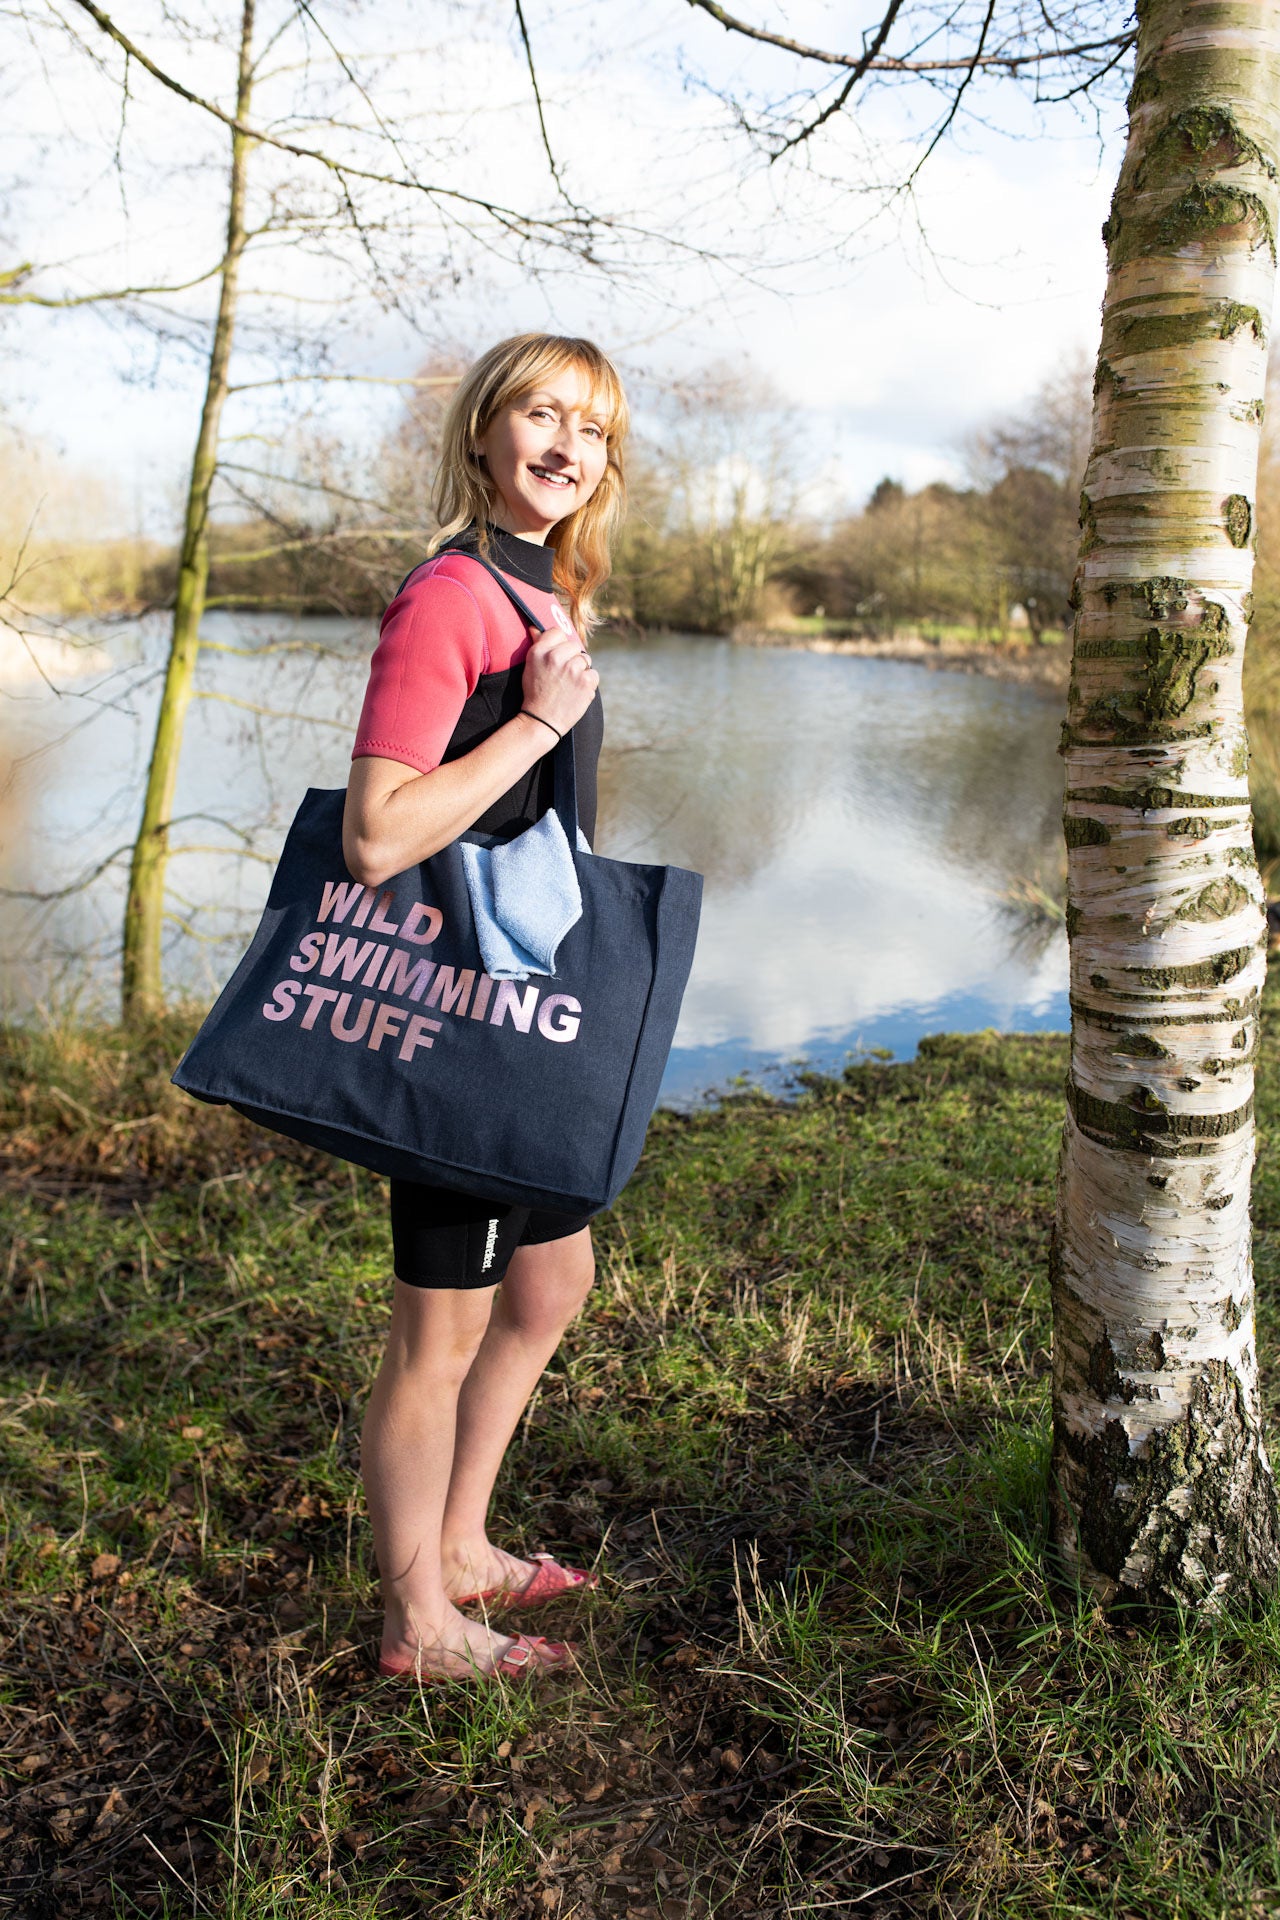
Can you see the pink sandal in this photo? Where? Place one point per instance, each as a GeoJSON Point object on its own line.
{"type": "Point", "coordinates": [547, 1582]}
{"type": "Point", "coordinates": [528, 1653]}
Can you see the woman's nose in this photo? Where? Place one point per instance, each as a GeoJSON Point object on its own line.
{"type": "Point", "coordinates": [565, 442]}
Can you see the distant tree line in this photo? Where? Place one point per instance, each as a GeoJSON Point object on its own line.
{"type": "Point", "coordinates": [724, 532]}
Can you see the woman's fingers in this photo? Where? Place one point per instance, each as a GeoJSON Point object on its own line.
{"type": "Point", "coordinates": [556, 645]}
{"type": "Point", "coordinates": [559, 676]}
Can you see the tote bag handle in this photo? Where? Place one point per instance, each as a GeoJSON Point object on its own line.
{"type": "Point", "coordinates": [564, 769]}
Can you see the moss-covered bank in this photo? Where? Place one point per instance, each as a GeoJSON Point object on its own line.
{"type": "Point", "coordinates": [804, 1424]}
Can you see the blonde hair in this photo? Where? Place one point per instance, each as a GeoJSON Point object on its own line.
{"type": "Point", "coordinates": [464, 492]}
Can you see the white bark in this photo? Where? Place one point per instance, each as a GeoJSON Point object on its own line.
{"type": "Point", "coordinates": [1162, 1485]}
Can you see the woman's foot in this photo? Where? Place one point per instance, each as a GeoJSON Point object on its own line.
{"type": "Point", "coordinates": [486, 1574]}
{"type": "Point", "coordinates": [462, 1649]}
{"type": "Point", "coordinates": [480, 1571]}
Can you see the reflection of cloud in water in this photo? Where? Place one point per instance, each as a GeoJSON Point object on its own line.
{"type": "Point", "coordinates": [744, 744]}
{"type": "Point", "coordinates": [856, 821]}
{"type": "Point", "coordinates": [841, 927]}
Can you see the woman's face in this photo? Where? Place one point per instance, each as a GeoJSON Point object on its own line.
{"type": "Point", "coordinates": [545, 454]}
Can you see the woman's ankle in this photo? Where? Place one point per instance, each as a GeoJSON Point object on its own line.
{"type": "Point", "coordinates": [464, 1553]}
{"type": "Point", "coordinates": [408, 1625]}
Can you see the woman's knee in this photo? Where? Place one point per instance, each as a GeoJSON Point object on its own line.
{"type": "Point", "coordinates": [437, 1331]}
{"type": "Point", "coordinates": [546, 1286]}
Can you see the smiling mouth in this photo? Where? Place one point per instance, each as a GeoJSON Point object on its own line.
{"type": "Point", "coordinates": [550, 479]}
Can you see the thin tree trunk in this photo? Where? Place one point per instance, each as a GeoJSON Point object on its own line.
{"type": "Point", "coordinates": [142, 984]}
{"type": "Point", "coordinates": [1162, 1486]}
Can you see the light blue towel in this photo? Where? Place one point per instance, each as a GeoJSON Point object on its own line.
{"type": "Point", "coordinates": [525, 897]}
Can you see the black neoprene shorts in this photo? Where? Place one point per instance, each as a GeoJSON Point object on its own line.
{"type": "Point", "coordinates": [445, 1239]}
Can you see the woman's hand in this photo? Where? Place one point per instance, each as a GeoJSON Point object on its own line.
{"type": "Point", "coordinates": [559, 682]}
{"type": "Point", "coordinates": [396, 816]}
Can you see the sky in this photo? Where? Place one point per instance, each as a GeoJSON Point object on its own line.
{"type": "Point", "coordinates": [891, 337]}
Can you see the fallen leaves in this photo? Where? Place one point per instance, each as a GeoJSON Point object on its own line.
{"type": "Point", "coordinates": [112, 1811]}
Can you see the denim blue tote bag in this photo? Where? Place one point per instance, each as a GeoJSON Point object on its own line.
{"type": "Point", "coordinates": [363, 1020]}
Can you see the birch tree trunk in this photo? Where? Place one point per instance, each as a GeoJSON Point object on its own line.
{"type": "Point", "coordinates": [1162, 1486]}
{"type": "Point", "coordinates": [142, 987]}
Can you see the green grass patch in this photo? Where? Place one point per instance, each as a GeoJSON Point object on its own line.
{"type": "Point", "coordinates": [804, 1424]}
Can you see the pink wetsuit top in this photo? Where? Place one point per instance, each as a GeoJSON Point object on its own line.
{"type": "Point", "coordinates": [449, 625]}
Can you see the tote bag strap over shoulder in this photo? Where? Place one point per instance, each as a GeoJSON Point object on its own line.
{"type": "Point", "coordinates": [564, 769]}
{"type": "Point", "coordinates": [468, 553]}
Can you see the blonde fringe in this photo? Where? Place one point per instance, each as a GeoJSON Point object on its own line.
{"type": "Point", "coordinates": [463, 492]}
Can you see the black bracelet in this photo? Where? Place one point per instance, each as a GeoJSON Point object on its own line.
{"type": "Point", "coordinates": [546, 723]}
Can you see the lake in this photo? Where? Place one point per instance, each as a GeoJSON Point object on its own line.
{"type": "Point", "coordinates": [865, 827]}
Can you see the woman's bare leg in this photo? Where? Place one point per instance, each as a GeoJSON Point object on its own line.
{"type": "Point", "coordinates": [544, 1288]}
{"type": "Point", "coordinates": [407, 1459]}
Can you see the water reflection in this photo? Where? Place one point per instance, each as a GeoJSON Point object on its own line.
{"type": "Point", "coordinates": [857, 822]}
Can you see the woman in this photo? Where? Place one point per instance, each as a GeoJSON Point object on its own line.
{"type": "Point", "coordinates": [462, 711]}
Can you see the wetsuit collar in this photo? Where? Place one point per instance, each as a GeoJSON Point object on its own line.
{"type": "Point", "coordinates": [522, 559]}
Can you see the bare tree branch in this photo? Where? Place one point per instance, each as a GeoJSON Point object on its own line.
{"type": "Point", "coordinates": [537, 101]}
{"type": "Point", "coordinates": [341, 169]}
{"type": "Point", "coordinates": [958, 95]}
{"type": "Point", "coordinates": [855, 74]}
{"type": "Point", "coordinates": [240, 853]}
{"type": "Point", "coordinates": [310, 647]}
{"type": "Point", "coordinates": [270, 713]}
{"type": "Point", "coordinates": [73, 886]}
{"type": "Point", "coordinates": [388, 133]}
{"type": "Point", "coordinates": [312, 542]}
{"type": "Point", "coordinates": [329, 488]}
{"type": "Point", "coordinates": [17, 274]}
{"type": "Point", "coordinates": [365, 379]}
{"type": "Point", "coordinates": [1008, 62]}
{"type": "Point", "coordinates": [1082, 86]}
{"type": "Point", "coordinates": [298, 534]}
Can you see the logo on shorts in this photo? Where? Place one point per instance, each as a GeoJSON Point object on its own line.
{"type": "Point", "coordinates": [489, 1246]}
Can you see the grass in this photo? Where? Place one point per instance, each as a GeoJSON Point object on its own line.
{"type": "Point", "coordinates": [803, 1423]}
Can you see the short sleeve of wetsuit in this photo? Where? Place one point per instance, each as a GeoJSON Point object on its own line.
{"type": "Point", "coordinates": [429, 657]}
